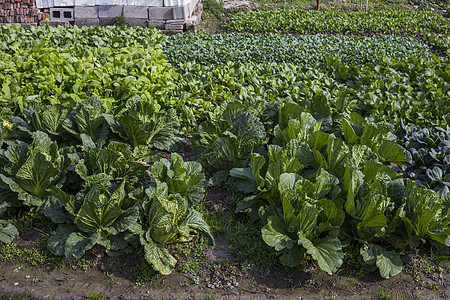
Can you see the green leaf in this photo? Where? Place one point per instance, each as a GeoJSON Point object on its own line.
{"type": "Point", "coordinates": [57, 241]}
{"type": "Point", "coordinates": [125, 221]}
{"type": "Point", "coordinates": [99, 210]}
{"type": "Point", "coordinates": [292, 257]}
{"type": "Point", "coordinates": [164, 216]}
{"type": "Point", "coordinates": [184, 178]}
{"type": "Point", "coordinates": [388, 262]}
{"type": "Point", "coordinates": [274, 233]}
{"type": "Point", "coordinates": [392, 152]}
{"type": "Point", "coordinates": [157, 255]}
{"type": "Point", "coordinates": [349, 133]}
{"type": "Point", "coordinates": [193, 222]}
{"type": "Point", "coordinates": [244, 179]}
{"type": "Point", "coordinates": [326, 251]}
{"type": "Point", "coordinates": [77, 244]}
{"type": "Point", "coordinates": [8, 233]}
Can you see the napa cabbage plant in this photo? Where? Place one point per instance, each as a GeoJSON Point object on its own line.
{"type": "Point", "coordinates": [167, 218]}
{"type": "Point", "coordinates": [227, 140]}
{"type": "Point", "coordinates": [100, 214]}
{"type": "Point", "coordinates": [184, 178]}
{"type": "Point", "coordinates": [311, 181]}
{"type": "Point", "coordinates": [140, 122]}
{"type": "Point", "coordinates": [30, 169]}
{"type": "Point", "coordinates": [7, 230]}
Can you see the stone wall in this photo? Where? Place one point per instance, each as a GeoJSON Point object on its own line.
{"type": "Point", "coordinates": [21, 11]}
{"type": "Point", "coordinates": [170, 15]}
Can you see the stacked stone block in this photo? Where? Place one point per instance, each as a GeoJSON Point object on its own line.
{"type": "Point", "coordinates": [21, 11]}
{"type": "Point", "coordinates": [170, 15]}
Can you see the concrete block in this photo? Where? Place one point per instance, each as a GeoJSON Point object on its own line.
{"type": "Point", "coordinates": [174, 26]}
{"type": "Point", "coordinates": [158, 3]}
{"type": "Point", "coordinates": [180, 12]}
{"type": "Point", "coordinates": [166, 31]}
{"type": "Point", "coordinates": [85, 12]}
{"type": "Point", "coordinates": [138, 22]}
{"type": "Point", "coordinates": [138, 12]}
{"type": "Point", "coordinates": [156, 23]}
{"type": "Point", "coordinates": [55, 23]}
{"type": "Point", "coordinates": [63, 3]}
{"type": "Point", "coordinates": [84, 2]}
{"type": "Point", "coordinates": [191, 21]}
{"type": "Point", "coordinates": [125, 2]}
{"type": "Point", "coordinates": [177, 2]}
{"type": "Point", "coordinates": [44, 3]}
{"type": "Point", "coordinates": [106, 21]}
{"type": "Point", "coordinates": [80, 22]}
{"type": "Point", "coordinates": [61, 14]}
{"type": "Point", "coordinates": [160, 13]}
{"type": "Point", "coordinates": [105, 2]}
{"type": "Point", "coordinates": [110, 11]}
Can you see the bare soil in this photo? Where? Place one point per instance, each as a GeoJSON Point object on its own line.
{"type": "Point", "coordinates": [222, 276]}
{"type": "Point", "coordinates": [73, 283]}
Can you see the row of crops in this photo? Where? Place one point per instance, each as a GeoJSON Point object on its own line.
{"type": "Point", "coordinates": [344, 144]}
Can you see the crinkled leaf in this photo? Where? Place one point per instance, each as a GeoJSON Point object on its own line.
{"type": "Point", "coordinates": [193, 222]}
{"type": "Point", "coordinates": [157, 255]}
{"type": "Point", "coordinates": [164, 217]}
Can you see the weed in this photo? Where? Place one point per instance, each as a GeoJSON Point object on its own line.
{"type": "Point", "coordinates": [214, 8]}
{"type": "Point", "coordinates": [16, 295]}
{"type": "Point", "coordinates": [32, 255]}
{"type": "Point", "coordinates": [435, 286]}
{"type": "Point", "coordinates": [93, 295]}
{"type": "Point", "coordinates": [211, 297]}
{"type": "Point", "coordinates": [121, 21]}
{"type": "Point", "coordinates": [332, 297]}
{"type": "Point", "coordinates": [144, 272]}
{"type": "Point", "coordinates": [383, 295]}
{"type": "Point", "coordinates": [218, 219]}
{"type": "Point", "coordinates": [191, 258]}
{"type": "Point", "coordinates": [248, 246]}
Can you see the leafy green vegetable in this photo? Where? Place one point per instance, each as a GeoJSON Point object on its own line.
{"type": "Point", "coordinates": [168, 218]}
{"type": "Point", "coordinates": [431, 157]}
{"type": "Point", "coordinates": [226, 141]}
{"type": "Point", "coordinates": [96, 215]}
{"type": "Point", "coordinates": [7, 232]}
{"type": "Point", "coordinates": [207, 49]}
{"type": "Point", "coordinates": [310, 21]}
{"type": "Point", "coordinates": [140, 123]}
{"type": "Point", "coordinates": [32, 169]}
{"type": "Point", "coordinates": [425, 216]}
{"type": "Point", "coordinates": [184, 178]}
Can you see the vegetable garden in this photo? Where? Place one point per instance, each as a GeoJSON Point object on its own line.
{"type": "Point", "coordinates": [331, 144]}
